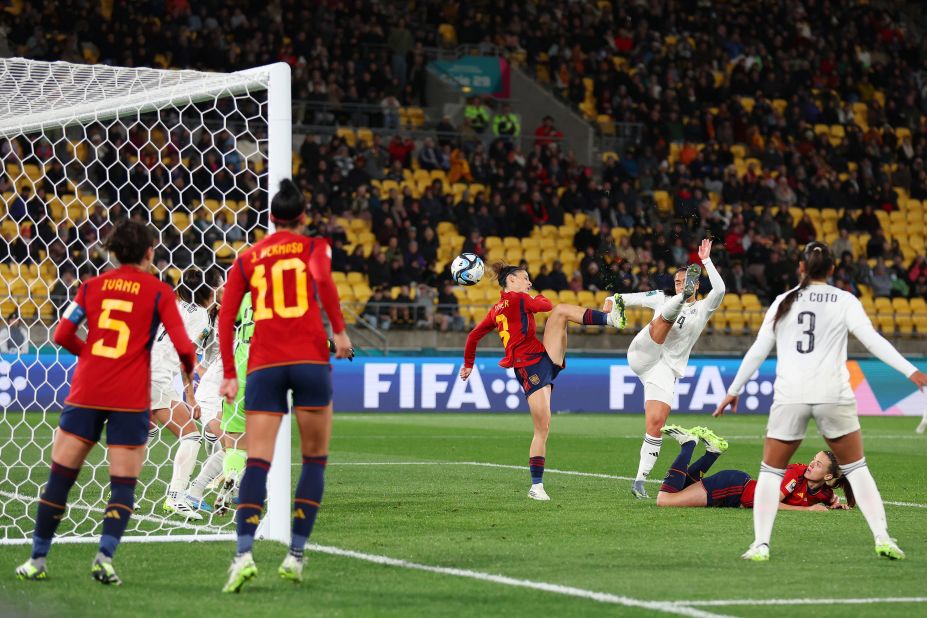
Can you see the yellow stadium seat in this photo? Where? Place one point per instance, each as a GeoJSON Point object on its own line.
{"type": "Point", "coordinates": [568, 296]}
{"type": "Point", "coordinates": [901, 305]}
{"type": "Point", "coordinates": [905, 324]}
{"type": "Point", "coordinates": [886, 323]}
{"type": "Point", "coordinates": [750, 301]}
{"type": "Point", "coordinates": [348, 135]}
{"type": "Point", "coordinates": [355, 278]}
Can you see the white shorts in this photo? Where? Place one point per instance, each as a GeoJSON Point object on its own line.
{"type": "Point", "coordinates": [645, 357]}
{"type": "Point", "coordinates": [207, 394]}
{"type": "Point", "coordinates": [162, 394]}
{"type": "Point", "coordinates": [789, 421]}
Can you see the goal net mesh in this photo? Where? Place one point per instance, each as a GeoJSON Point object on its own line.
{"type": "Point", "coordinates": [82, 147]}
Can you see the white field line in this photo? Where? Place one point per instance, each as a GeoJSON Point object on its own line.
{"type": "Point", "coordinates": [222, 533]}
{"type": "Point", "coordinates": [862, 601]}
{"type": "Point", "coordinates": [678, 609]}
{"type": "Point", "coordinates": [483, 464]}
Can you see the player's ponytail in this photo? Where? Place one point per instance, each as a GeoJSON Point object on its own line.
{"type": "Point", "coordinates": [501, 271]}
{"type": "Point", "coordinates": [288, 205]}
{"type": "Point", "coordinates": [818, 262]}
{"type": "Point", "coordinates": [840, 481]}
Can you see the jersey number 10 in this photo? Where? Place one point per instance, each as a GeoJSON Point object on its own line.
{"type": "Point", "coordinates": [279, 306]}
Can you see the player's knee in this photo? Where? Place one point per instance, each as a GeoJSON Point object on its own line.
{"type": "Point", "coordinates": [661, 499]}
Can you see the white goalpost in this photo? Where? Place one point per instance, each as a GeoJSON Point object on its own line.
{"type": "Point", "coordinates": [197, 156]}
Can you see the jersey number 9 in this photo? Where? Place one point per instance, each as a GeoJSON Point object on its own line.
{"type": "Point", "coordinates": [279, 305]}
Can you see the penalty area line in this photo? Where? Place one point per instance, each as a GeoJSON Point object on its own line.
{"type": "Point", "coordinates": [677, 608]}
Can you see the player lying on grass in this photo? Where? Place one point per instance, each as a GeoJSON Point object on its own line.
{"type": "Point", "coordinates": [195, 297]}
{"type": "Point", "coordinates": [288, 275]}
{"type": "Point", "coordinates": [808, 326]}
{"type": "Point", "coordinates": [110, 388]}
{"type": "Point", "coordinates": [804, 488]}
{"type": "Point", "coordinates": [659, 353]}
{"type": "Point", "coordinates": [536, 364]}
{"type": "Point", "coordinates": [228, 419]}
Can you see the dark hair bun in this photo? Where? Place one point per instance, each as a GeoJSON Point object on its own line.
{"type": "Point", "coordinates": [288, 203]}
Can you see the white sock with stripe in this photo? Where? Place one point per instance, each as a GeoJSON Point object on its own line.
{"type": "Point", "coordinates": [650, 451]}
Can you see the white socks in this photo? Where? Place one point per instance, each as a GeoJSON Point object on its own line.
{"type": "Point", "coordinates": [867, 497]}
{"type": "Point", "coordinates": [650, 450]}
{"type": "Point", "coordinates": [766, 502]}
{"type": "Point", "coordinates": [212, 468]}
{"type": "Point", "coordinates": [671, 308]}
{"type": "Point", "coordinates": [184, 461]}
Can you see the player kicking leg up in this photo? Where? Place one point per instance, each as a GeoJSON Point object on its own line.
{"type": "Point", "coordinates": [536, 364]}
{"type": "Point", "coordinates": [289, 355]}
{"type": "Point", "coordinates": [659, 353]}
{"type": "Point", "coordinates": [126, 300]}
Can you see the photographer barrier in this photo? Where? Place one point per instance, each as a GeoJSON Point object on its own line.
{"type": "Point", "coordinates": [431, 384]}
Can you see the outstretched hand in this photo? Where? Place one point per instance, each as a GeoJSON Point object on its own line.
{"type": "Point", "coordinates": [920, 380]}
{"type": "Point", "coordinates": [704, 250]}
{"type": "Point", "coordinates": [465, 372]}
{"type": "Point", "coordinates": [729, 400]}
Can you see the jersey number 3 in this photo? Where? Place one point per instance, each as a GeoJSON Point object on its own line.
{"type": "Point", "coordinates": [280, 307]}
{"type": "Point", "coordinates": [108, 322]}
{"type": "Point", "coordinates": [504, 335]}
{"type": "Point", "coordinates": [806, 318]}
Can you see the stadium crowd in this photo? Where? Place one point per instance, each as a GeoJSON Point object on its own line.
{"type": "Point", "coordinates": [696, 126]}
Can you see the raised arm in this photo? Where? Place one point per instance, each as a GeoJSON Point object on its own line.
{"type": "Point", "coordinates": [859, 324]}
{"type": "Point", "coordinates": [716, 295]}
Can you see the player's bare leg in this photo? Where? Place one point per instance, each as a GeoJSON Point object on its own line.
{"type": "Point", "coordinates": [315, 430]}
{"type": "Point", "coordinates": [539, 406]}
{"type": "Point", "coordinates": [849, 452]}
{"type": "Point", "coordinates": [68, 455]}
{"type": "Point", "coordinates": [693, 495]}
{"type": "Point", "coordinates": [179, 421]}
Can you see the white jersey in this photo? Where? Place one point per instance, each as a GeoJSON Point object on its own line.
{"type": "Point", "coordinates": [811, 346]}
{"type": "Point", "coordinates": [689, 324]}
{"type": "Point", "coordinates": [165, 364]}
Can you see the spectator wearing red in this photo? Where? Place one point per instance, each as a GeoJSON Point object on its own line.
{"type": "Point", "coordinates": [547, 133]}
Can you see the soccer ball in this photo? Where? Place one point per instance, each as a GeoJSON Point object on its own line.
{"type": "Point", "coordinates": [467, 269]}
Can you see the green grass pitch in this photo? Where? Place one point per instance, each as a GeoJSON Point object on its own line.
{"type": "Point", "coordinates": [431, 508]}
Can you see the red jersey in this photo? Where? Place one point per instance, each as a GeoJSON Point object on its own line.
{"type": "Point", "coordinates": [513, 317]}
{"type": "Point", "coordinates": [795, 489]}
{"type": "Point", "coordinates": [123, 309]}
{"type": "Point", "coordinates": [284, 272]}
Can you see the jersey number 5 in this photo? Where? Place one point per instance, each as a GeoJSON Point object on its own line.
{"type": "Point", "coordinates": [108, 322]}
{"type": "Point", "coordinates": [806, 347]}
{"type": "Point", "coordinates": [504, 335]}
{"type": "Point", "coordinates": [280, 308]}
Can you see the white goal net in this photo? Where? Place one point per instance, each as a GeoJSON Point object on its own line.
{"type": "Point", "coordinates": [81, 147]}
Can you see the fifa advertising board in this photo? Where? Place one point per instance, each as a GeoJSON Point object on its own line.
{"type": "Point", "coordinates": [431, 384]}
